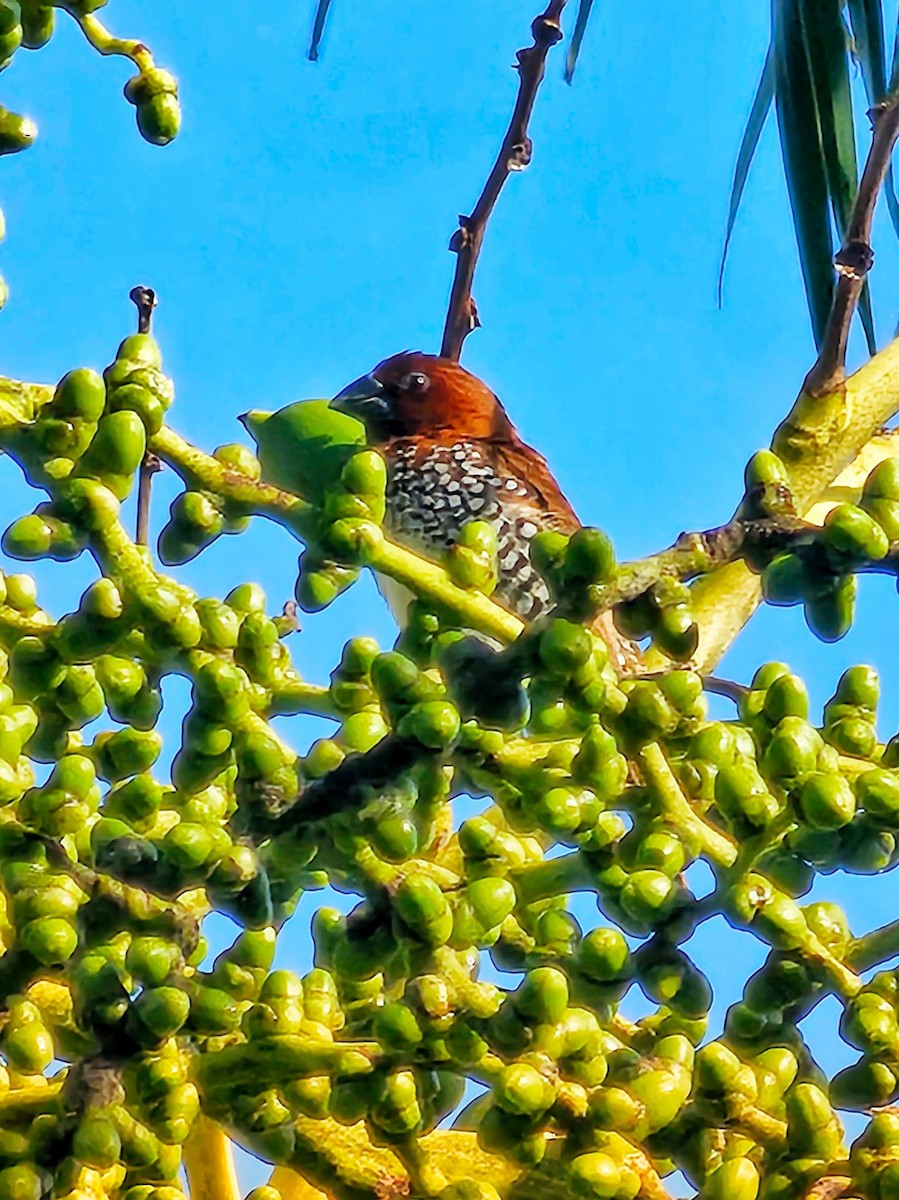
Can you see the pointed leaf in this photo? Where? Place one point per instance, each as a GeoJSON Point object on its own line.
{"type": "Point", "coordinates": [866, 316]}
{"type": "Point", "coordinates": [758, 114]}
{"type": "Point", "coordinates": [318, 28]}
{"type": "Point", "coordinates": [803, 158]}
{"type": "Point", "coordinates": [866, 19]}
{"type": "Point", "coordinates": [574, 46]}
{"type": "Point", "coordinates": [471, 1115]}
{"type": "Point", "coordinates": [889, 191]}
{"type": "Point", "coordinates": [894, 65]}
{"type": "Point", "coordinates": [827, 53]}
{"type": "Point", "coordinates": [824, 36]}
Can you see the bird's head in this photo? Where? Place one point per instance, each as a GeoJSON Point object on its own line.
{"type": "Point", "coordinates": [414, 393]}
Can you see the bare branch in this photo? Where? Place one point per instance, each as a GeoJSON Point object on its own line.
{"type": "Point", "coordinates": [725, 687]}
{"type": "Point", "coordinates": [148, 469]}
{"type": "Point", "coordinates": [514, 155]}
{"type": "Point", "coordinates": [855, 257]}
{"type": "Point", "coordinates": [144, 299]}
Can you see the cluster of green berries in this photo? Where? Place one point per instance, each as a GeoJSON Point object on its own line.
{"type": "Point", "coordinates": [109, 867]}
{"type": "Point", "coordinates": [348, 531]}
{"type": "Point", "coordinates": [30, 24]}
{"type": "Point", "coordinates": [820, 572]}
{"type": "Point", "coordinates": [198, 517]}
{"type": "Point", "coordinates": [663, 612]}
{"type": "Point", "coordinates": [154, 94]}
{"type": "Point", "coordinates": [85, 448]}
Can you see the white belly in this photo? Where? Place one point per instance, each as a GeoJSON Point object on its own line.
{"type": "Point", "coordinates": [397, 596]}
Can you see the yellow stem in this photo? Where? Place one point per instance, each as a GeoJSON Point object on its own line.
{"type": "Point", "coordinates": [106, 43]}
{"type": "Point", "coordinates": [667, 792]}
{"type": "Point", "coordinates": [209, 1163]}
{"type": "Point", "coordinates": [197, 468]}
{"type": "Point", "coordinates": [433, 584]}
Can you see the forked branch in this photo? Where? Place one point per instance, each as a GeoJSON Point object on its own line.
{"type": "Point", "coordinates": [514, 155]}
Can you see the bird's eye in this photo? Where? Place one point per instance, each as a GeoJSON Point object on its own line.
{"type": "Point", "coordinates": [415, 381]}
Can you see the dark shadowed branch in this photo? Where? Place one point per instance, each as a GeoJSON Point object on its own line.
{"type": "Point", "coordinates": [855, 257]}
{"type": "Point", "coordinates": [148, 469]}
{"type": "Point", "coordinates": [347, 787]}
{"type": "Point", "coordinates": [144, 299]}
{"type": "Point", "coordinates": [514, 155]}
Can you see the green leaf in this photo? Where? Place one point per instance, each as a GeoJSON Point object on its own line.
{"type": "Point", "coordinates": [803, 158]}
{"type": "Point", "coordinates": [866, 316]}
{"type": "Point", "coordinates": [574, 46]}
{"type": "Point", "coordinates": [758, 114]}
{"type": "Point", "coordinates": [825, 43]}
{"type": "Point", "coordinates": [318, 28]}
{"type": "Point", "coordinates": [892, 202]}
{"type": "Point", "coordinates": [866, 19]}
{"type": "Point", "coordinates": [826, 49]}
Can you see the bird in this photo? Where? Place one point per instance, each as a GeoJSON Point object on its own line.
{"type": "Point", "coordinates": [454, 456]}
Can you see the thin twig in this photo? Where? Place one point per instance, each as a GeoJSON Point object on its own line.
{"type": "Point", "coordinates": [710, 683]}
{"type": "Point", "coordinates": [515, 154]}
{"type": "Point", "coordinates": [725, 687]}
{"type": "Point", "coordinates": [855, 257]}
{"type": "Point", "coordinates": [148, 468]}
{"type": "Point", "coordinates": [144, 298]}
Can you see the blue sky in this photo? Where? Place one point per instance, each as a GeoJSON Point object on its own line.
{"type": "Point", "coordinates": [296, 233]}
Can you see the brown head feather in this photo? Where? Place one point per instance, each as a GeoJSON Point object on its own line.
{"type": "Point", "coordinates": [435, 396]}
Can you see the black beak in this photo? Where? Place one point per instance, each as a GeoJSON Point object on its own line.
{"type": "Point", "coordinates": [365, 399]}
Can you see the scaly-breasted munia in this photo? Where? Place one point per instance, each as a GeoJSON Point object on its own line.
{"type": "Point", "coordinates": [454, 456]}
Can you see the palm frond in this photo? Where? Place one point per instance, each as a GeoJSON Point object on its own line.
{"type": "Point", "coordinates": [318, 29]}
{"type": "Point", "coordinates": [574, 46]}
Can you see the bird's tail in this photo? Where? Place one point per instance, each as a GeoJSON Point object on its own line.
{"type": "Point", "coordinates": [624, 654]}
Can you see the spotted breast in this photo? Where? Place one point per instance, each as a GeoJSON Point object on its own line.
{"type": "Point", "coordinates": [435, 488]}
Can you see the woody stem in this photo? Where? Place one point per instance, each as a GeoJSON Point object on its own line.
{"type": "Point", "coordinates": [514, 155]}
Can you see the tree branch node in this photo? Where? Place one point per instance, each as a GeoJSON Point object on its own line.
{"type": "Point", "coordinates": [854, 260]}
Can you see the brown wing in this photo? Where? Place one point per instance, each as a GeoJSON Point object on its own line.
{"type": "Point", "coordinates": [543, 494]}
{"type": "Point", "coordinates": [543, 503]}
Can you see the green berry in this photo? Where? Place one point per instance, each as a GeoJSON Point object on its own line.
{"type": "Point", "coordinates": [522, 1090]}
{"type": "Point", "coordinates": [852, 532]}
{"type": "Point", "coordinates": [424, 909]}
{"type": "Point", "coordinates": [827, 801]}
{"type": "Point", "coordinates": [21, 1182]}
{"type": "Point", "coordinates": [52, 940]}
{"type": "Point", "coordinates": [829, 612]}
{"type": "Point", "coordinates": [96, 1142]}
{"type": "Point", "coordinates": [604, 955]}
{"type": "Point", "coordinates": [542, 996]}
{"type": "Point", "coordinates": [878, 794]}
{"type": "Point", "coordinates": [434, 723]}
{"type": "Point", "coordinates": [589, 557]}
